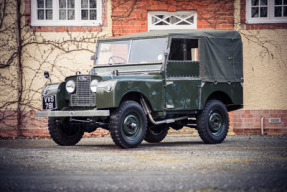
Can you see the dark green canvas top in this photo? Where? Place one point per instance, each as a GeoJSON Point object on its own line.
{"type": "Point", "coordinates": [186, 33]}
{"type": "Point", "coordinates": [220, 52]}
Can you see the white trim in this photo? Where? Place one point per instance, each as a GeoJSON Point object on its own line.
{"type": "Point", "coordinates": [270, 14]}
{"type": "Point", "coordinates": [166, 14]}
{"type": "Point", "coordinates": [57, 22]}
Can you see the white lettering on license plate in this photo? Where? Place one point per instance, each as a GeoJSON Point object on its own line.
{"type": "Point", "coordinates": [49, 102]}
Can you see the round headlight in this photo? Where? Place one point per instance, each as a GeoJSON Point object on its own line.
{"type": "Point", "coordinates": [70, 86]}
{"type": "Point", "coordinates": [93, 85]}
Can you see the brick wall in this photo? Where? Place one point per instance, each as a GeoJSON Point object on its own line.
{"type": "Point", "coordinates": [131, 16]}
{"type": "Point", "coordinates": [249, 121]}
{"type": "Point", "coordinates": [32, 127]}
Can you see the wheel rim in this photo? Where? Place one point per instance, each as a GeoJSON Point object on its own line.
{"type": "Point", "coordinates": [216, 122]}
{"type": "Point", "coordinates": [132, 126]}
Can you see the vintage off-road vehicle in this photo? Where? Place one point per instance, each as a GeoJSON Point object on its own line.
{"type": "Point", "coordinates": [145, 83]}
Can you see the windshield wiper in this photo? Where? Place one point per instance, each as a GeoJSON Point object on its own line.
{"type": "Point", "coordinates": [116, 63]}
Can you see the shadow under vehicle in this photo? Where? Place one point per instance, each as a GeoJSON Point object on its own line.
{"type": "Point", "coordinates": [143, 84]}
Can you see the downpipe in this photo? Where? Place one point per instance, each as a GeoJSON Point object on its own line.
{"type": "Point", "coordinates": [166, 121]}
{"type": "Point", "coordinates": [262, 125]}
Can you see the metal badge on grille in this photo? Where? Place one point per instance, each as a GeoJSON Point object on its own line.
{"type": "Point", "coordinates": [83, 78]}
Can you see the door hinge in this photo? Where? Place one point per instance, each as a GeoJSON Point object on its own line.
{"type": "Point", "coordinates": [169, 106]}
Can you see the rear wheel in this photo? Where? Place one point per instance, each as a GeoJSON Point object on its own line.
{"type": "Point", "coordinates": [128, 125]}
{"type": "Point", "coordinates": [63, 133]}
{"type": "Point", "coordinates": [156, 134]}
{"type": "Point", "coordinates": [213, 122]}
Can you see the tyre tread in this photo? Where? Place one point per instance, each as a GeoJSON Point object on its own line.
{"type": "Point", "coordinates": [58, 138]}
{"type": "Point", "coordinates": [115, 119]}
{"type": "Point", "coordinates": [202, 127]}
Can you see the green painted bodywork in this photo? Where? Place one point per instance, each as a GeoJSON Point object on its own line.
{"type": "Point", "coordinates": [59, 90]}
{"type": "Point", "coordinates": [234, 91]}
{"type": "Point", "coordinates": [182, 69]}
{"type": "Point", "coordinates": [150, 86]}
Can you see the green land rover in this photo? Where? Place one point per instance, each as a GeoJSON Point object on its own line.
{"type": "Point", "coordinates": [143, 84]}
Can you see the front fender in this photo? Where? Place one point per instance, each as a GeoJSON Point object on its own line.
{"type": "Point", "coordinates": [151, 89]}
{"type": "Point", "coordinates": [57, 89]}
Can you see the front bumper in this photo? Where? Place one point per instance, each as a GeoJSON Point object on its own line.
{"type": "Point", "coordinates": [86, 113]}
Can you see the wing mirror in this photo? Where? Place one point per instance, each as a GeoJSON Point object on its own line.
{"type": "Point", "coordinates": [47, 75]}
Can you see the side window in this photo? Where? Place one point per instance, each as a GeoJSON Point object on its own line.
{"type": "Point", "coordinates": [184, 49]}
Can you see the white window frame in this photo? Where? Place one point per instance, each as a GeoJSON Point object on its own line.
{"type": "Point", "coordinates": [171, 26]}
{"type": "Point", "coordinates": [57, 22]}
{"type": "Point", "coordinates": [270, 14]}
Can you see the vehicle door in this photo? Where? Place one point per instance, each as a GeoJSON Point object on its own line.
{"type": "Point", "coordinates": [182, 75]}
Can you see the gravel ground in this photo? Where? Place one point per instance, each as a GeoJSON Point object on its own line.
{"type": "Point", "coordinates": [241, 163]}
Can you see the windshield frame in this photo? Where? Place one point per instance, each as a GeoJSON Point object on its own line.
{"type": "Point", "coordinates": [165, 44]}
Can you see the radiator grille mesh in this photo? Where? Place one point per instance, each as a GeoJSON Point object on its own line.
{"type": "Point", "coordinates": [83, 96]}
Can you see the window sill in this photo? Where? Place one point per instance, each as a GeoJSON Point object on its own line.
{"type": "Point", "coordinates": [66, 28]}
{"type": "Point", "coordinates": [281, 21]}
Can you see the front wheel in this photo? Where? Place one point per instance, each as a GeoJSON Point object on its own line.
{"type": "Point", "coordinates": [128, 125]}
{"type": "Point", "coordinates": [63, 133]}
{"type": "Point", "coordinates": [213, 122]}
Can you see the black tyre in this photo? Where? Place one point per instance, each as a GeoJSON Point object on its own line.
{"type": "Point", "coordinates": [213, 122]}
{"type": "Point", "coordinates": [156, 134]}
{"type": "Point", "coordinates": [128, 125]}
{"type": "Point", "coordinates": [63, 134]}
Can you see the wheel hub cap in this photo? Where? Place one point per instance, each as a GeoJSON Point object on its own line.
{"type": "Point", "coordinates": [131, 125]}
{"type": "Point", "coordinates": [216, 122]}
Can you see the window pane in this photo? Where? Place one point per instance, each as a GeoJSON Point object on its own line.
{"type": "Point", "coordinates": [278, 2]}
{"type": "Point", "coordinates": [49, 14]}
{"type": "Point", "coordinates": [49, 4]}
{"type": "Point", "coordinates": [40, 4]}
{"type": "Point", "coordinates": [41, 14]}
{"type": "Point", "coordinates": [255, 11]}
{"type": "Point", "coordinates": [93, 15]}
{"type": "Point", "coordinates": [263, 2]}
{"type": "Point", "coordinates": [263, 12]}
{"type": "Point", "coordinates": [173, 20]}
{"type": "Point", "coordinates": [285, 2]}
{"type": "Point", "coordinates": [84, 3]}
{"type": "Point", "coordinates": [85, 15]}
{"type": "Point", "coordinates": [254, 2]}
{"type": "Point", "coordinates": [183, 23]}
{"type": "Point", "coordinates": [112, 52]}
{"type": "Point", "coordinates": [147, 50]}
{"type": "Point", "coordinates": [161, 23]}
{"type": "Point", "coordinates": [278, 12]}
{"type": "Point", "coordinates": [93, 3]}
{"type": "Point", "coordinates": [71, 14]}
{"type": "Point", "coordinates": [154, 20]}
{"type": "Point", "coordinates": [71, 4]}
{"type": "Point", "coordinates": [190, 19]}
{"type": "Point", "coordinates": [62, 4]}
{"type": "Point", "coordinates": [62, 14]}
{"type": "Point", "coordinates": [285, 12]}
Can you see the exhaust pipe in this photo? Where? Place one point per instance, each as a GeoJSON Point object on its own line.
{"type": "Point", "coordinates": [166, 121]}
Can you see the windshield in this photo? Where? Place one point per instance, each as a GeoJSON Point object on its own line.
{"type": "Point", "coordinates": [131, 51]}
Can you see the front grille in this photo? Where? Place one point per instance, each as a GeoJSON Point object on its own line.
{"type": "Point", "coordinates": [83, 96]}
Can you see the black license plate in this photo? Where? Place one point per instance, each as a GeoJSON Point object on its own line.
{"type": "Point", "coordinates": [49, 102]}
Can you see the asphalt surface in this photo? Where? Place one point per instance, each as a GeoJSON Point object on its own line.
{"type": "Point", "coordinates": [241, 163]}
